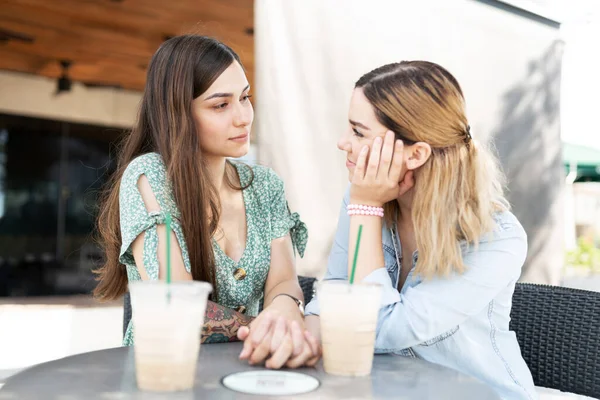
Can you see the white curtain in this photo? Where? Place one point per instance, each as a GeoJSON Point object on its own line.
{"type": "Point", "coordinates": [309, 53]}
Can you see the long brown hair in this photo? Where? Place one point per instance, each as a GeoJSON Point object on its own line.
{"type": "Point", "coordinates": [182, 69]}
{"type": "Point", "coordinates": [460, 187]}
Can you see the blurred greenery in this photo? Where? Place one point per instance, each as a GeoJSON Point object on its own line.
{"type": "Point", "coordinates": [586, 255]}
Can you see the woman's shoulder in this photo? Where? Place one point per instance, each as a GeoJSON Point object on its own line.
{"type": "Point", "coordinates": [508, 225]}
{"type": "Point", "coordinates": [146, 162]}
{"type": "Point", "coordinates": [149, 164]}
{"type": "Point", "coordinates": [508, 236]}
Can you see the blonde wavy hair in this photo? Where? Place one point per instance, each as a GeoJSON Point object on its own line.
{"type": "Point", "coordinates": [460, 187]}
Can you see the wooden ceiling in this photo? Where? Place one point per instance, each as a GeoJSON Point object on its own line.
{"type": "Point", "coordinates": [110, 42]}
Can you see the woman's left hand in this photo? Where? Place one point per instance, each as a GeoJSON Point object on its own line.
{"type": "Point", "coordinates": [279, 342]}
{"type": "Point", "coordinates": [290, 345]}
{"type": "Point", "coordinates": [376, 178]}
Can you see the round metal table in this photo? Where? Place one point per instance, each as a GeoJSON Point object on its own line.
{"type": "Point", "coordinates": [110, 375]}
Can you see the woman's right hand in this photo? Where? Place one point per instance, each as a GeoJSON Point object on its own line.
{"type": "Point", "coordinates": [376, 178]}
{"type": "Point", "coordinates": [293, 349]}
{"type": "Point", "coordinates": [279, 343]}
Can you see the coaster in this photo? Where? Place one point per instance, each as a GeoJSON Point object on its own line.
{"type": "Point", "coordinates": [269, 382]}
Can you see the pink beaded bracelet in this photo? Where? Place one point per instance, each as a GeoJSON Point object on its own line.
{"type": "Point", "coordinates": [361, 209]}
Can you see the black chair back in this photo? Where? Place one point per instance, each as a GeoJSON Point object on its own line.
{"type": "Point", "coordinates": [558, 330]}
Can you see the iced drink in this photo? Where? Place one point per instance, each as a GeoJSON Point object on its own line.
{"type": "Point", "coordinates": [348, 322]}
{"type": "Point", "coordinates": [167, 319]}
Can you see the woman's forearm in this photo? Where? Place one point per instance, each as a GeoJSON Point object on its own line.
{"type": "Point", "coordinates": [221, 324]}
{"type": "Point", "coordinates": [284, 304]}
{"type": "Point", "coordinates": [287, 308]}
{"type": "Point", "coordinates": [370, 252]}
{"type": "Point", "coordinates": [290, 287]}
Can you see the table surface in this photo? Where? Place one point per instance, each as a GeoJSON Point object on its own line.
{"type": "Point", "coordinates": [110, 374]}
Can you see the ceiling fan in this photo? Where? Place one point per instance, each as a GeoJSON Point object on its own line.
{"type": "Point", "coordinates": [64, 82]}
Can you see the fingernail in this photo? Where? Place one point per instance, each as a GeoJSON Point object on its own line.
{"type": "Point", "coordinates": [378, 140]}
{"type": "Point", "coordinates": [365, 149]}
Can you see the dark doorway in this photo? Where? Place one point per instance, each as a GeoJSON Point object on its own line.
{"type": "Point", "coordinates": [51, 174]}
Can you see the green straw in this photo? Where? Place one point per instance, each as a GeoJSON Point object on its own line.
{"type": "Point", "coordinates": [355, 255]}
{"type": "Point", "coordinates": [168, 221]}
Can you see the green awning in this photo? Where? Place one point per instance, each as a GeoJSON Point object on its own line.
{"type": "Point", "coordinates": [585, 159]}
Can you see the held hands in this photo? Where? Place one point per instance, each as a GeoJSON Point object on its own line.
{"type": "Point", "coordinates": [279, 340]}
{"type": "Point", "coordinates": [376, 178]}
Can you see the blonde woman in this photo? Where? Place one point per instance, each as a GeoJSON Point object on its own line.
{"type": "Point", "coordinates": [442, 243]}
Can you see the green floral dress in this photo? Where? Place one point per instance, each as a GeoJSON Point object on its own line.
{"type": "Point", "coordinates": [267, 217]}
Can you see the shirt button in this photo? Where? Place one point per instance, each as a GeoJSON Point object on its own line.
{"type": "Point", "coordinates": [239, 274]}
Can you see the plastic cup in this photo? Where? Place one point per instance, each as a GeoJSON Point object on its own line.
{"type": "Point", "coordinates": [167, 318]}
{"type": "Point", "coordinates": [348, 322]}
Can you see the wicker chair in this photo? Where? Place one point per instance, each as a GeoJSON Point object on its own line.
{"type": "Point", "coordinates": [307, 285]}
{"type": "Point", "coordinates": [558, 330]}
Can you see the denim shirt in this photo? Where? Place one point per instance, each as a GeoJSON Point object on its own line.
{"type": "Point", "coordinates": [460, 321]}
